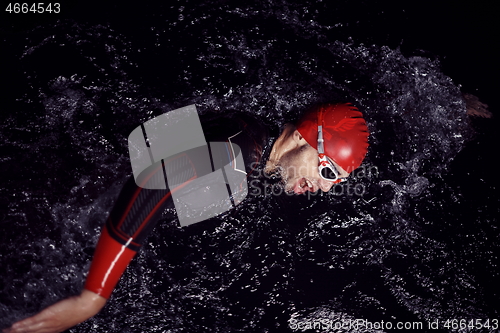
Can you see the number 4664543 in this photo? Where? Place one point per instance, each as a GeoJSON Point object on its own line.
{"type": "Point", "coordinates": [37, 8]}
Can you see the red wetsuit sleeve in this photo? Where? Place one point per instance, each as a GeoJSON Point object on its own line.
{"type": "Point", "coordinates": [134, 215]}
{"type": "Point", "coordinates": [110, 261]}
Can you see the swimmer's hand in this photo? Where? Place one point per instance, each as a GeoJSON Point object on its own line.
{"type": "Point", "coordinates": [62, 315]}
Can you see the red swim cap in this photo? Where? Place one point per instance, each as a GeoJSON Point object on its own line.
{"type": "Point", "coordinates": [344, 131]}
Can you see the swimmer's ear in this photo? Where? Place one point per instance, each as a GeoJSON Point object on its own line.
{"type": "Point", "coordinates": [297, 137]}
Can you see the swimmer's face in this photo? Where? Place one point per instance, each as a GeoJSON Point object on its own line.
{"type": "Point", "coordinates": [299, 171]}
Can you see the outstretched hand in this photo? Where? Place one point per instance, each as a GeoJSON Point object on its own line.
{"type": "Point", "coordinates": [62, 315]}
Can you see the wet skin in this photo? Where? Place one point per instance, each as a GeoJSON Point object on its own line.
{"type": "Point", "coordinates": [61, 315]}
{"type": "Point", "coordinates": [297, 162]}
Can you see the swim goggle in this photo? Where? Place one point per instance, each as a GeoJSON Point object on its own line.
{"type": "Point", "coordinates": [326, 168]}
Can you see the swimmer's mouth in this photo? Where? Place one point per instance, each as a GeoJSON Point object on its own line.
{"type": "Point", "coordinates": [303, 185]}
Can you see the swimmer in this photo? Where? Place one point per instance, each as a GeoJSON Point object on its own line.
{"type": "Point", "coordinates": [319, 151]}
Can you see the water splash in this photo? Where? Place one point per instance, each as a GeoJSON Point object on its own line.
{"type": "Point", "coordinates": [379, 254]}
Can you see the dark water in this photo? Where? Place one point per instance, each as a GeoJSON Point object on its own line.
{"type": "Point", "coordinates": [412, 237]}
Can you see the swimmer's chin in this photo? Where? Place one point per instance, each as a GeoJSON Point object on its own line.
{"type": "Point", "coordinates": [289, 189]}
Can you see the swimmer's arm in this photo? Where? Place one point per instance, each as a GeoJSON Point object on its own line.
{"type": "Point", "coordinates": [111, 258]}
{"type": "Point", "coordinates": [61, 315]}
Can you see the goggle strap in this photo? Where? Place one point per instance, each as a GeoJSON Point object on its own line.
{"type": "Point", "coordinates": [321, 149]}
